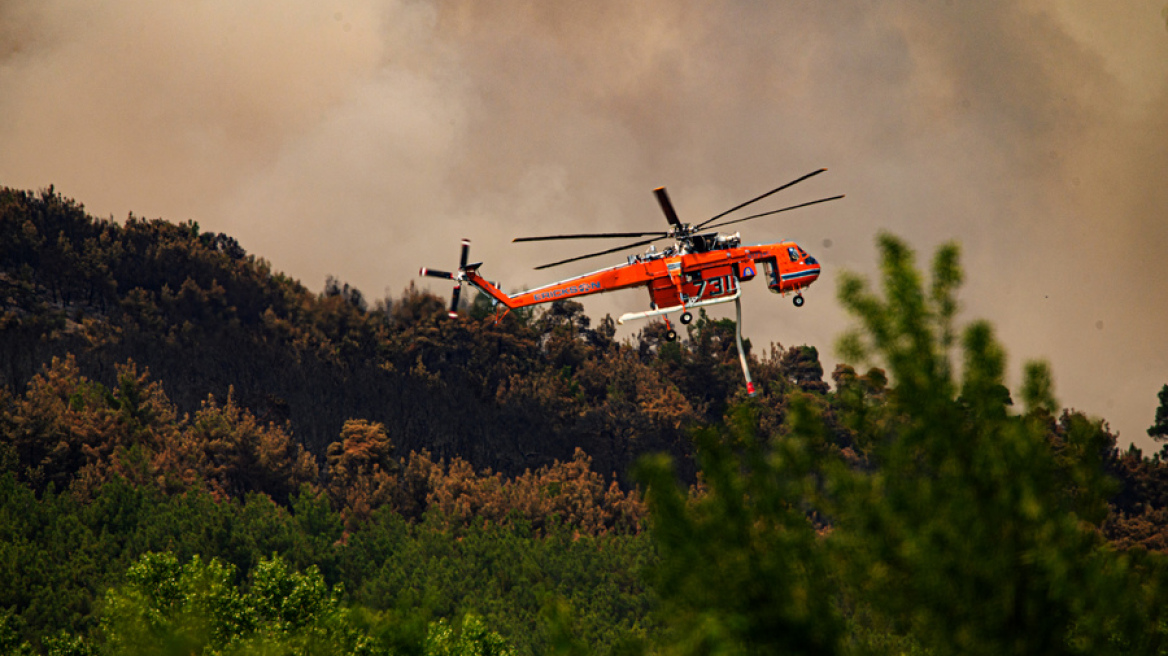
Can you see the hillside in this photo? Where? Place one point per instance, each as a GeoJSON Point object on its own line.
{"type": "Point", "coordinates": [198, 450]}
{"type": "Point", "coordinates": [205, 318]}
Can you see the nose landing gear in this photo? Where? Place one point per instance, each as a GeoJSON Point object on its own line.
{"type": "Point", "coordinates": [798, 300]}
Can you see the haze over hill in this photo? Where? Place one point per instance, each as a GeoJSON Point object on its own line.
{"type": "Point", "coordinates": [362, 139]}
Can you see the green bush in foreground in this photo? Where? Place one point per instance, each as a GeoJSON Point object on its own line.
{"type": "Point", "coordinates": [168, 607]}
{"type": "Point", "coordinates": [965, 532]}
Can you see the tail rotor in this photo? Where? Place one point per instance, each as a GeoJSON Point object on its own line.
{"type": "Point", "coordinates": [458, 277]}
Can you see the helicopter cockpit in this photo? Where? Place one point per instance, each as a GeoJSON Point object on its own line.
{"type": "Point", "coordinates": [797, 254]}
{"type": "Point", "coordinates": [800, 258]}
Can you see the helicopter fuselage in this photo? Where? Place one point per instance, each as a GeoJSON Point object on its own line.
{"type": "Point", "coordinates": [677, 281]}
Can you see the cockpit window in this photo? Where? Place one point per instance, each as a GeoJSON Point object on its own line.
{"type": "Point", "coordinates": [792, 253]}
{"type": "Point", "coordinates": [810, 260]}
{"type": "Point", "coordinates": [801, 251]}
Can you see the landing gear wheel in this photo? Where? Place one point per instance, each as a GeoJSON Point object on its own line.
{"type": "Point", "coordinates": [686, 317]}
{"type": "Point", "coordinates": [671, 335]}
{"type": "Point", "coordinates": [798, 300]}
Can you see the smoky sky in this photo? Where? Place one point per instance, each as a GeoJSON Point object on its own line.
{"type": "Point", "coordinates": [363, 139]}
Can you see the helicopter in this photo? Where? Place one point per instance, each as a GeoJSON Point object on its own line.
{"type": "Point", "coordinates": [700, 268]}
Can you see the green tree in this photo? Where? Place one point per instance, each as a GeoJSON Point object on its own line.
{"type": "Point", "coordinates": [964, 528]}
{"type": "Point", "coordinates": [505, 575]}
{"type": "Point", "coordinates": [741, 570]}
{"type": "Point", "coordinates": [168, 607]}
{"type": "Point", "coordinates": [1159, 428]}
{"type": "Point", "coordinates": [173, 608]}
{"type": "Point", "coordinates": [964, 534]}
{"type": "Point", "coordinates": [473, 638]}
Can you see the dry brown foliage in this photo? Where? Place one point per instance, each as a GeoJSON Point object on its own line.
{"type": "Point", "coordinates": [363, 476]}
{"type": "Point", "coordinates": [568, 492]}
{"type": "Point", "coordinates": [73, 433]}
{"type": "Point", "coordinates": [362, 471]}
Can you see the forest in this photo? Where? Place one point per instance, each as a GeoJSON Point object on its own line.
{"type": "Point", "coordinates": [199, 455]}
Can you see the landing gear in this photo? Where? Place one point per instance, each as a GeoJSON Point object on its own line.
{"type": "Point", "coordinates": [686, 317]}
{"type": "Point", "coordinates": [670, 333]}
{"type": "Point", "coordinates": [798, 301]}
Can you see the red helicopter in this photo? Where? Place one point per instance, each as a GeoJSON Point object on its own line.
{"type": "Point", "coordinates": [699, 269]}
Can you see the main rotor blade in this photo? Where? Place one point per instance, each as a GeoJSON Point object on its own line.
{"type": "Point", "coordinates": [755, 200]}
{"type": "Point", "coordinates": [667, 207]}
{"type": "Point", "coordinates": [454, 301]}
{"type": "Point", "coordinates": [793, 207]}
{"type": "Point", "coordinates": [611, 250]}
{"type": "Point", "coordinates": [593, 235]}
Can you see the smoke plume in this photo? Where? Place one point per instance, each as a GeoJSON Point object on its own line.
{"type": "Point", "coordinates": [363, 138]}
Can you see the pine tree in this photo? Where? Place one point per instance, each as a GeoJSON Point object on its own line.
{"type": "Point", "coordinates": [1159, 429]}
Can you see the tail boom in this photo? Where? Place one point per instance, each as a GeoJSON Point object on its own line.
{"type": "Point", "coordinates": [605, 280]}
